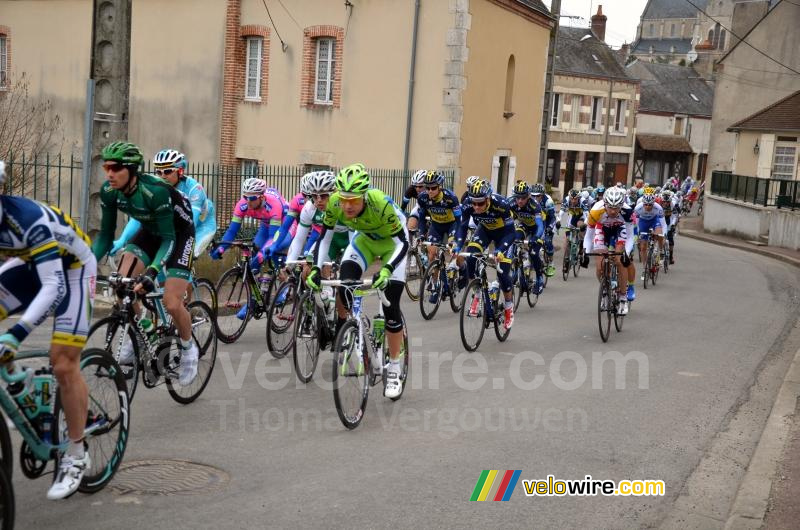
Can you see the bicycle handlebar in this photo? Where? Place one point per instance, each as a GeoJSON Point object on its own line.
{"type": "Point", "coordinates": [356, 284]}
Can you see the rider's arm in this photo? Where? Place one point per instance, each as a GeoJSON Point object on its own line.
{"type": "Point", "coordinates": [298, 242]}
{"type": "Point", "coordinates": [108, 223]}
{"type": "Point", "coordinates": [130, 229]}
{"type": "Point", "coordinates": [539, 227]}
{"type": "Point", "coordinates": [461, 233]}
{"type": "Point", "coordinates": [283, 235]}
{"type": "Point", "coordinates": [45, 256]}
{"type": "Point", "coordinates": [409, 194]}
{"type": "Point", "coordinates": [323, 246]}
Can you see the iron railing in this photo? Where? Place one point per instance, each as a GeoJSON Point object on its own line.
{"type": "Point", "coordinates": [754, 190]}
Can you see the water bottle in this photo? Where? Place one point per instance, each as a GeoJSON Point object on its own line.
{"type": "Point", "coordinates": [378, 328]}
{"type": "Point", "coordinates": [149, 329]}
{"type": "Point", "coordinates": [21, 392]}
{"type": "Point", "coordinates": [42, 385]}
{"type": "Point", "coordinates": [494, 288]}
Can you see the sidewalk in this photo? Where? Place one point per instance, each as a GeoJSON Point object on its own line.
{"type": "Point", "coordinates": [767, 496]}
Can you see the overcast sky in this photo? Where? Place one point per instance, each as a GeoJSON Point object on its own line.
{"type": "Point", "coordinates": [623, 16]}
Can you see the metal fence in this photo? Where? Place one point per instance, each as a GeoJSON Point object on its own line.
{"type": "Point", "coordinates": [56, 179]}
{"type": "Point", "coordinates": [755, 190]}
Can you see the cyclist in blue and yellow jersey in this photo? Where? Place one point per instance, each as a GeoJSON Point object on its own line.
{"type": "Point", "coordinates": [380, 234]}
{"type": "Point", "coordinates": [416, 187]}
{"type": "Point", "coordinates": [577, 210]}
{"type": "Point", "coordinates": [50, 271]}
{"type": "Point", "coordinates": [495, 224]}
{"type": "Point", "coordinates": [548, 207]}
{"type": "Point", "coordinates": [469, 182]}
{"type": "Point", "coordinates": [530, 228]}
{"type": "Point", "coordinates": [171, 165]}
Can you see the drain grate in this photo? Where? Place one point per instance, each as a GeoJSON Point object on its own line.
{"type": "Point", "coordinates": [168, 477]}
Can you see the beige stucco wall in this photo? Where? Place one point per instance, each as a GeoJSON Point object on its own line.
{"type": "Point", "coordinates": [659, 124]}
{"type": "Point", "coordinates": [370, 125]}
{"type": "Point", "coordinates": [747, 82]}
{"type": "Point", "coordinates": [50, 42]}
{"type": "Point", "coordinates": [484, 130]}
{"type": "Point", "coordinates": [746, 162]}
{"type": "Point", "coordinates": [176, 80]}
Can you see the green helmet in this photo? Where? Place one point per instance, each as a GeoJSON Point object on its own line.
{"type": "Point", "coordinates": [353, 179]}
{"type": "Point", "coordinates": [124, 153]}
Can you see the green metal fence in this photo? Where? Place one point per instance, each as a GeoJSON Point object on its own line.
{"type": "Point", "coordinates": [756, 190]}
{"type": "Point", "coordinates": [56, 179]}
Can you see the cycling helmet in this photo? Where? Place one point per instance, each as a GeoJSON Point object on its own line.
{"type": "Point", "coordinates": [319, 182]}
{"type": "Point", "coordinates": [354, 179]}
{"type": "Point", "coordinates": [658, 190]}
{"type": "Point", "coordinates": [521, 189]}
{"type": "Point", "coordinates": [633, 193]}
{"type": "Point", "coordinates": [600, 190]}
{"type": "Point", "coordinates": [479, 190]}
{"type": "Point", "coordinates": [253, 186]}
{"type": "Point", "coordinates": [574, 193]}
{"type": "Point", "coordinates": [169, 158]}
{"type": "Point", "coordinates": [614, 197]}
{"type": "Point", "coordinates": [124, 153]}
{"type": "Point", "coordinates": [472, 180]}
{"type": "Point", "coordinates": [434, 177]}
{"type": "Point", "coordinates": [585, 194]}
{"type": "Point", "coordinates": [537, 189]}
{"type": "Point", "coordinates": [666, 196]}
{"type": "Point", "coordinates": [695, 190]}
{"type": "Point", "coordinates": [648, 198]}
{"type": "Point", "coordinates": [620, 185]}
{"type": "Point", "coordinates": [418, 178]}
{"type": "Point", "coordinates": [640, 192]}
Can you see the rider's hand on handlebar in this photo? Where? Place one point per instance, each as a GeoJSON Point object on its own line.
{"type": "Point", "coordinates": [8, 347]}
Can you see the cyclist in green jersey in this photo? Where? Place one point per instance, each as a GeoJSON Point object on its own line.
{"type": "Point", "coordinates": [380, 233]}
{"type": "Point", "coordinates": [164, 241]}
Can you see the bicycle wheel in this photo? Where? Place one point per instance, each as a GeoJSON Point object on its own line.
{"type": "Point", "coordinates": [521, 286]}
{"type": "Point", "coordinates": [565, 265]}
{"type": "Point", "coordinates": [666, 258]}
{"type": "Point", "coordinates": [7, 506]}
{"type": "Point", "coordinates": [306, 344]}
{"type": "Point", "coordinates": [500, 330]}
{"type": "Point", "coordinates": [204, 334]}
{"type": "Point", "coordinates": [576, 265]}
{"type": "Point", "coordinates": [350, 376]}
{"type": "Point", "coordinates": [516, 285]}
{"type": "Point", "coordinates": [406, 362]}
{"type": "Point", "coordinates": [619, 319]}
{"type": "Point", "coordinates": [107, 335]}
{"type": "Point", "coordinates": [6, 449]}
{"type": "Point", "coordinates": [414, 272]}
{"type": "Point", "coordinates": [107, 422]}
{"type": "Point", "coordinates": [473, 316]}
{"type": "Point", "coordinates": [232, 294]}
{"type": "Point", "coordinates": [532, 296]}
{"type": "Point", "coordinates": [280, 319]}
{"type": "Point", "coordinates": [548, 261]}
{"type": "Point", "coordinates": [431, 290]}
{"type": "Point", "coordinates": [203, 289]}
{"type": "Point", "coordinates": [604, 302]}
{"type": "Point", "coordinates": [456, 296]}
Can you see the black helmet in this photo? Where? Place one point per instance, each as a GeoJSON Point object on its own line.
{"type": "Point", "coordinates": [521, 189]}
{"type": "Point", "coordinates": [537, 189]}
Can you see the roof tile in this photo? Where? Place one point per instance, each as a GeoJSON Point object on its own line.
{"type": "Point", "coordinates": [783, 115]}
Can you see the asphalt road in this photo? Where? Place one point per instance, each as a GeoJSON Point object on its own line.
{"type": "Point", "coordinates": [544, 402]}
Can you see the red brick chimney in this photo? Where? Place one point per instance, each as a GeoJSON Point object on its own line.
{"type": "Point", "coordinates": [599, 24]}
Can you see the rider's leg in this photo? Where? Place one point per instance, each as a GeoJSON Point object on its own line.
{"type": "Point", "coordinates": [72, 389]}
{"type": "Point", "coordinates": [174, 290]}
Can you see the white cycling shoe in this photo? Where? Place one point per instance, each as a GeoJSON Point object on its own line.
{"type": "Point", "coordinates": [188, 366]}
{"type": "Point", "coordinates": [394, 386]}
{"type": "Point", "coordinates": [126, 354]}
{"type": "Point", "coordinates": [68, 477]}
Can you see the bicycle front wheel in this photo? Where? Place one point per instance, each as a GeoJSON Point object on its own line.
{"type": "Point", "coordinates": [533, 297]}
{"type": "Point", "coordinates": [604, 302]}
{"type": "Point", "coordinates": [233, 295]}
{"type": "Point", "coordinates": [414, 273]}
{"type": "Point", "coordinates": [306, 346]}
{"type": "Point", "coordinates": [431, 290]}
{"type": "Point", "coordinates": [456, 297]}
{"type": "Point", "coordinates": [109, 334]}
{"type": "Point", "coordinates": [565, 266]}
{"type": "Point", "coordinates": [203, 289]}
{"type": "Point", "coordinates": [205, 336]}
{"type": "Point", "coordinates": [473, 316]}
{"type": "Point", "coordinates": [350, 376]}
{"type": "Point", "coordinates": [500, 330]}
{"type": "Point", "coordinates": [7, 506]}
{"type": "Point", "coordinates": [108, 418]}
{"type": "Point", "coordinates": [280, 320]}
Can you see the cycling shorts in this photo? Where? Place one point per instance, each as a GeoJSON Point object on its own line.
{"type": "Point", "coordinates": [144, 246]}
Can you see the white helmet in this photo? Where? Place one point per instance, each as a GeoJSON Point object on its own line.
{"type": "Point", "coordinates": [253, 186]}
{"type": "Point", "coordinates": [418, 178]}
{"type": "Point", "coordinates": [169, 158]}
{"type": "Point", "coordinates": [318, 182]}
{"type": "Point", "coordinates": [614, 197]}
{"type": "Point", "coordinates": [472, 180]}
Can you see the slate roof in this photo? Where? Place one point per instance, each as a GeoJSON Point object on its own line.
{"type": "Point", "coordinates": [642, 46]}
{"type": "Point", "coordinates": [668, 88]}
{"type": "Point", "coordinates": [538, 5]}
{"type": "Point", "coordinates": [663, 142]}
{"type": "Point", "coordinates": [783, 115]}
{"type": "Point", "coordinates": [576, 56]}
{"type": "Point", "coordinates": [660, 9]}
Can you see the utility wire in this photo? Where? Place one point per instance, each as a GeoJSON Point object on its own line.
{"type": "Point", "coordinates": [283, 44]}
{"type": "Point", "coordinates": [743, 40]}
{"type": "Point", "coordinates": [290, 15]}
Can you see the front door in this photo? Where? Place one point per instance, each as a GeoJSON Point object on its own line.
{"type": "Point", "coordinates": [569, 178]}
{"type": "Point", "coordinates": [502, 176]}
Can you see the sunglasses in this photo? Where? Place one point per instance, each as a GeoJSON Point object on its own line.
{"type": "Point", "coordinates": [165, 172]}
{"type": "Point", "coordinates": [319, 196]}
{"type": "Point", "coordinates": [431, 188]}
{"type": "Point", "coordinates": [479, 203]}
{"type": "Point", "coordinates": [251, 197]}
{"type": "Point", "coordinates": [419, 186]}
{"type": "Point", "coordinates": [113, 167]}
{"type": "Point", "coordinates": [350, 200]}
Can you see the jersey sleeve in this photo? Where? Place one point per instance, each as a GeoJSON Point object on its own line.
{"type": "Point", "coordinates": [108, 222]}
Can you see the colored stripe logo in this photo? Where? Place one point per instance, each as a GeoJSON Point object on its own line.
{"type": "Point", "coordinates": [495, 485]}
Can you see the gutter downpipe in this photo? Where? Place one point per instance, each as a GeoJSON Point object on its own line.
{"type": "Point", "coordinates": [411, 86]}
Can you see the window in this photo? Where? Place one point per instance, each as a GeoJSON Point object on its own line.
{"type": "Point", "coordinates": [678, 126]}
{"type": "Point", "coordinates": [694, 97]}
{"type": "Point", "coordinates": [722, 36]}
{"type": "Point", "coordinates": [249, 168]}
{"type": "Point", "coordinates": [784, 161]}
{"type": "Point", "coordinates": [3, 62]}
{"type": "Point", "coordinates": [323, 94]}
{"type": "Point", "coordinates": [597, 114]}
{"type": "Point", "coordinates": [509, 87]}
{"type": "Point", "coordinates": [652, 30]}
{"type": "Point", "coordinates": [555, 117]}
{"type": "Point", "coordinates": [619, 118]}
{"type": "Point", "coordinates": [252, 84]}
{"type": "Point", "coordinates": [575, 113]}
{"type": "Point", "coordinates": [672, 30]}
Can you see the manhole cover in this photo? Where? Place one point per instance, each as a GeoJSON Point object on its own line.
{"type": "Point", "coordinates": [168, 477]}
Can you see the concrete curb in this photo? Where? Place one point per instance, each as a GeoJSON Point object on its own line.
{"type": "Point", "coordinates": [752, 498]}
{"type": "Point", "coordinates": [764, 251]}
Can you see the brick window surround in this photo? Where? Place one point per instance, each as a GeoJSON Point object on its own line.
{"type": "Point", "coordinates": [307, 89]}
{"type": "Point", "coordinates": [5, 33]}
{"type": "Point", "coordinates": [241, 62]}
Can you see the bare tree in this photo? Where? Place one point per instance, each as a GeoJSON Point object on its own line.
{"type": "Point", "coordinates": [29, 127]}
